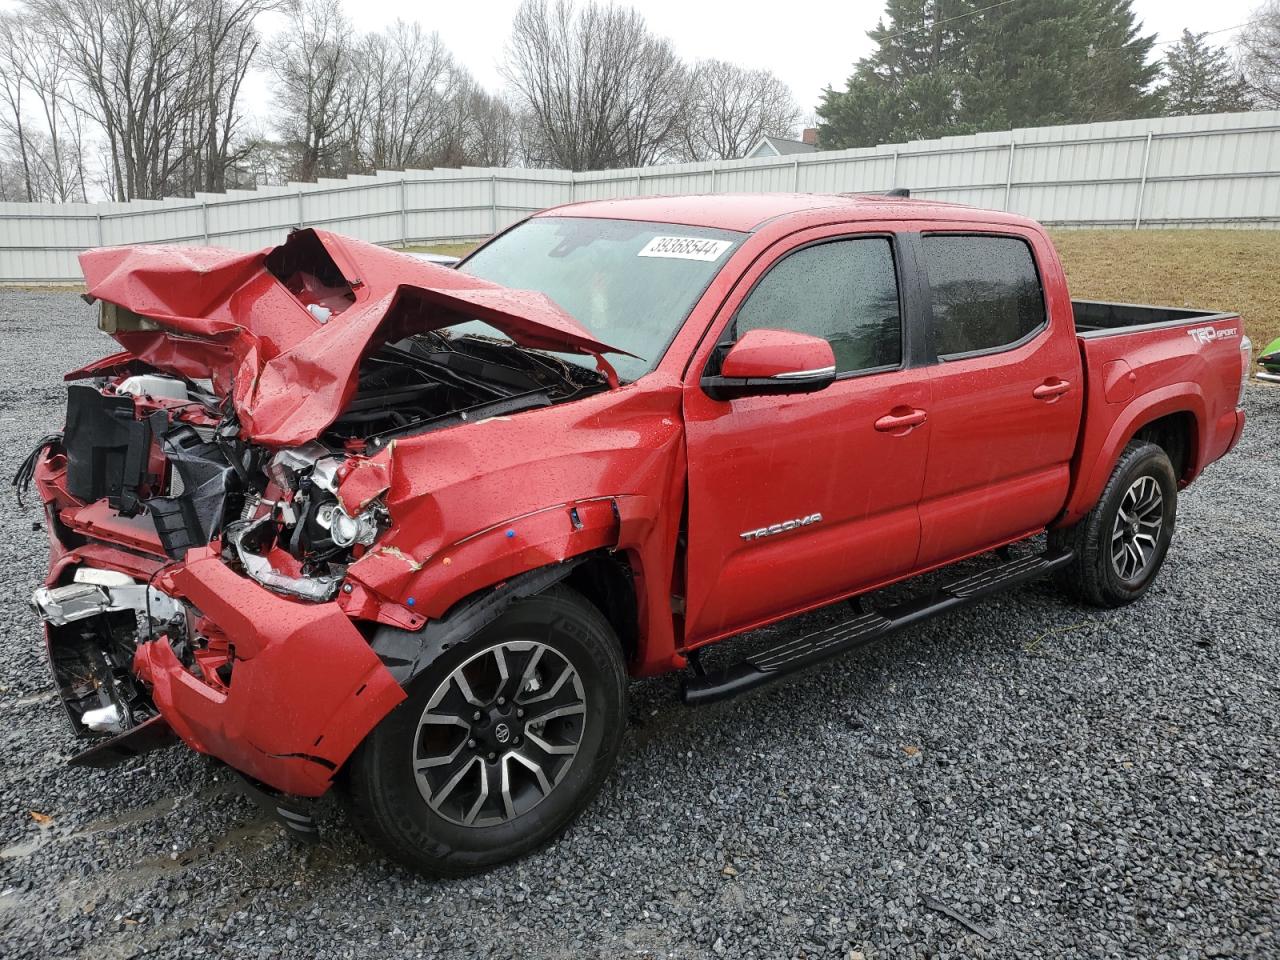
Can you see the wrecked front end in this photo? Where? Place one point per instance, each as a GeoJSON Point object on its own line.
{"type": "Point", "coordinates": [195, 590]}
{"type": "Point", "coordinates": [217, 484]}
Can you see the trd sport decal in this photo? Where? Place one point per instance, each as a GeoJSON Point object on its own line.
{"type": "Point", "coordinates": [783, 527]}
{"type": "Point", "coordinates": [1210, 334]}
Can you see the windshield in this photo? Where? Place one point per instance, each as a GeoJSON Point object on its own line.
{"type": "Point", "coordinates": [631, 284]}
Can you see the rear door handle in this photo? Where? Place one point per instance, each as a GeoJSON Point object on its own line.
{"type": "Point", "coordinates": [900, 420]}
{"type": "Point", "coordinates": [1051, 389]}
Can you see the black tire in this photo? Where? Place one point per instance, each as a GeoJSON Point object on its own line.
{"type": "Point", "coordinates": [381, 788]}
{"type": "Point", "coordinates": [1094, 575]}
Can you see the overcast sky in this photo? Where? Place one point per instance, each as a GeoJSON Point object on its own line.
{"type": "Point", "coordinates": [808, 43]}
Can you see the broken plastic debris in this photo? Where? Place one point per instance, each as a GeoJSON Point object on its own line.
{"type": "Point", "coordinates": [933, 903]}
{"type": "Point", "coordinates": [103, 719]}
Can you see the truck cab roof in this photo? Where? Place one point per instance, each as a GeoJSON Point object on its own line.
{"type": "Point", "coordinates": [748, 212]}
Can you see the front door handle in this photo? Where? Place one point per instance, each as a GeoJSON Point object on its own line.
{"type": "Point", "coordinates": [900, 420]}
{"type": "Point", "coordinates": [1051, 389]}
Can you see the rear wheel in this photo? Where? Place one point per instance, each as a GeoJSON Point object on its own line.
{"type": "Point", "coordinates": [501, 742]}
{"type": "Point", "coordinates": [1120, 545]}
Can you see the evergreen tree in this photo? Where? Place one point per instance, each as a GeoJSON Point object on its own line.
{"type": "Point", "coordinates": [1200, 78]}
{"type": "Point", "coordinates": [960, 66]}
{"type": "Point", "coordinates": [905, 89]}
{"type": "Point", "coordinates": [1111, 77]}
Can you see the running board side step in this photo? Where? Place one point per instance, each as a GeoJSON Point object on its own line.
{"type": "Point", "coordinates": [798, 653]}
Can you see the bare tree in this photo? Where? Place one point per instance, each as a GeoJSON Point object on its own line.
{"type": "Point", "coordinates": [1260, 50]}
{"type": "Point", "coordinates": [412, 82]}
{"type": "Point", "coordinates": [142, 98]}
{"type": "Point", "coordinates": [261, 161]}
{"type": "Point", "coordinates": [16, 42]}
{"type": "Point", "coordinates": [12, 182]}
{"type": "Point", "coordinates": [35, 76]}
{"type": "Point", "coordinates": [731, 108]}
{"type": "Point", "coordinates": [132, 61]}
{"type": "Point", "coordinates": [223, 50]}
{"type": "Point", "coordinates": [61, 162]}
{"type": "Point", "coordinates": [352, 103]}
{"type": "Point", "coordinates": [654, 93]}
{"type": "Point", "coordinates": [599, 88]}
{"type": "Point", "coordinates": [312, 59]}
{"type": "Point", "coordinates": [490, 129]}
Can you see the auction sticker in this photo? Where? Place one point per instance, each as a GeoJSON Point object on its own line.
{"type": "Point", "coordinates": [685, 248]}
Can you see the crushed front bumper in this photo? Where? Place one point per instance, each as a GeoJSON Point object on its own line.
{"type": "Point", "coordinates": [304, 686]}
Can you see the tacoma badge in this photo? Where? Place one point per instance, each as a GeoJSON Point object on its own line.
{"type": "Point", "coordinates": [783, 527]}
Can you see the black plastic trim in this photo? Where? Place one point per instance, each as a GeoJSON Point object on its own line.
{"type": "Point", "coordinates": [730, 388]}
{"type": "Point", "coordinates": [797, 654]}
{"type": "Point", "coordinates": [152, 734]}
{"type": "Point", "coordinates": [1194, 317]}
{"type": "Point", "coordinates": [406, 653]}
{"type": "Point", "coordinates": [295, 814]}
{"type": "Point", "coordinates": [915, 303]}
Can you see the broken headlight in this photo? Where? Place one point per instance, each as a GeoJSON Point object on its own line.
{"type": "Point", "coordinates": [344, 530]}
{"type": "Point", "coordinates": [308, 523]}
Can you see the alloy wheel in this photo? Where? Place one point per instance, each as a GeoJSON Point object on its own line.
{"type": "Point", "coordinates": [1136, 532]}
{"type": "Point", "coordinates": [498, 733]}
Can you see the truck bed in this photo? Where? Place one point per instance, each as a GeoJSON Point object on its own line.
{"type": "Point", "coordinates": [1142, 364]}
{"type": "Point", "coordinates": [1098, 318]}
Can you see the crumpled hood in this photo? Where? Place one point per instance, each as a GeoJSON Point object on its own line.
{"type": "Point", "coordinates": [233, 318]}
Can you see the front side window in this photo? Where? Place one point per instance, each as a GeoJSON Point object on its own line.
{"type": "Point", "coordinates": [844, 291]}
{"type": "Point", "coordinates": [986, 292]}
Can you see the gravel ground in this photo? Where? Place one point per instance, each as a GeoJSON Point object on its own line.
{"type": "Point", "coordinates": [1067, 782]}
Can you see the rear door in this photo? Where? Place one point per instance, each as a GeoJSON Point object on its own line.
{"type": "Point", "coordinates": [820, 458]}
{"type": "Point", "coordinates": [1006, 388]}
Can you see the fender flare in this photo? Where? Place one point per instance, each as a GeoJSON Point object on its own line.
{"type": "Point", "coordinates": [1092, 474]}
{"type": "Point", "coordinates": [406, 653]}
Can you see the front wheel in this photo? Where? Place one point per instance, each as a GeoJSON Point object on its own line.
{"type": "Point", "coordinates": [1120, 545]}
{"type": "Point", "coordinates": [500, 744]}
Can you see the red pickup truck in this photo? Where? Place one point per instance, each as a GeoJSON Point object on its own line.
{"type": "Point", "coordinates": [338, 517]}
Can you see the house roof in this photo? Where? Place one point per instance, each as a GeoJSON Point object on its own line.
{"type": "Point", "coordinates": [780, 147]}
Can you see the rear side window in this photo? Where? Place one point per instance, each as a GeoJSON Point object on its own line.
{"type": "Point", "coordinates": [986, 292]}
{"type": "Point", "coordinates": [844, 291]}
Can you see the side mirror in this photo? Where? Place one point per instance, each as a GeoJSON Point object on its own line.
{"type": "Point", "coordinates": [769, 362]}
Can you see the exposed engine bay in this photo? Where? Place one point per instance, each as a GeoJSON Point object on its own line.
{"type": "Point", "coordinates": [168, 450]}
{"type": "Point", "coordinates": [435, 380]}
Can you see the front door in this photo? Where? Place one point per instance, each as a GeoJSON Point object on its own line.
{"type": "Point", "coordinates": [797, 500]}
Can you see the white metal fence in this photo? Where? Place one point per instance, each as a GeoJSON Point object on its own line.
{"type": "Point", "coordinates": [1219, 170]}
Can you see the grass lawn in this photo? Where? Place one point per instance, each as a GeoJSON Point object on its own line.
{"type": "Point", "coordinates": [444, 249]}
{"type": "Point", "coordinates": [1234, 270]}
